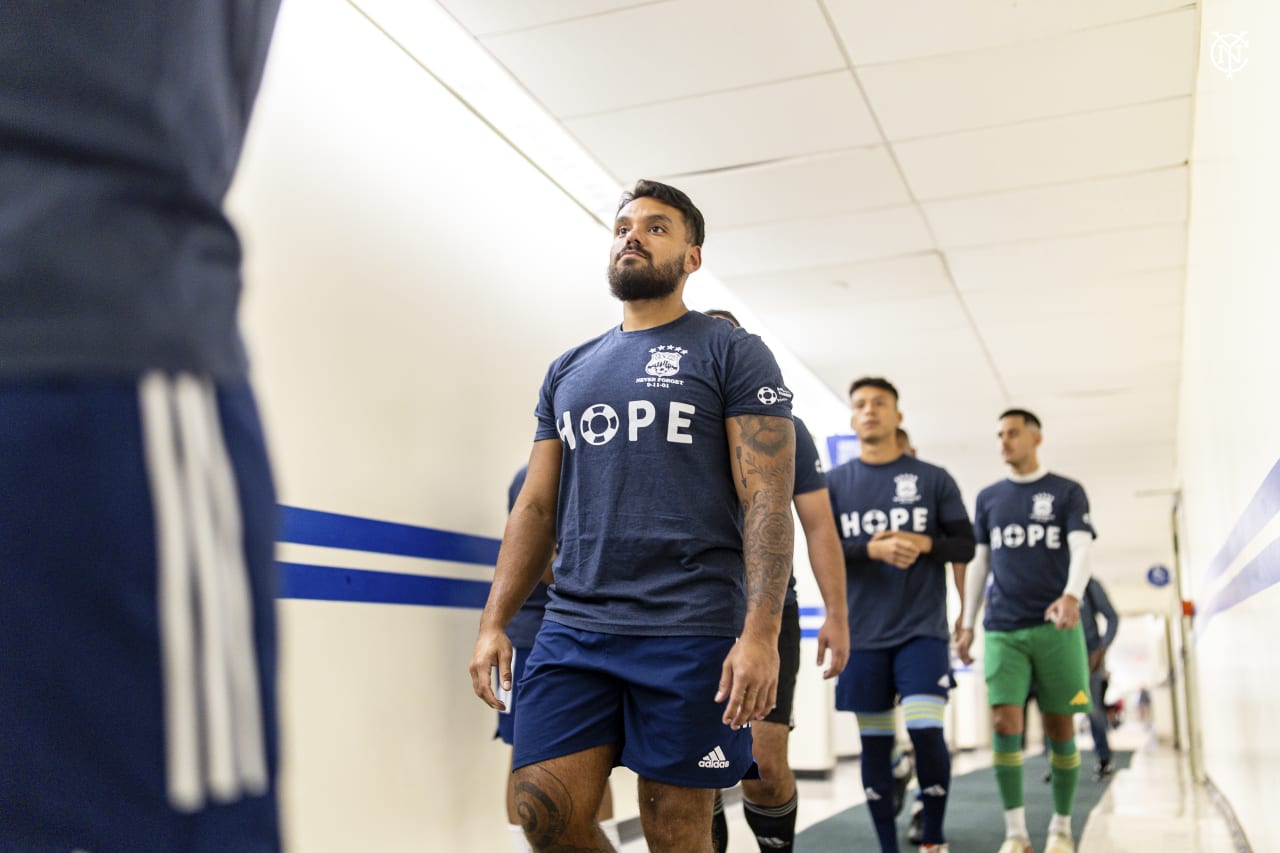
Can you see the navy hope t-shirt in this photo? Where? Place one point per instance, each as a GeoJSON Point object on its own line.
{"type": "Point", "coordinates": [649, 520]}
{"type": "Point", "coordinates": [888, 605]}
{"type": "Point", "coordinates": [1026, 525]}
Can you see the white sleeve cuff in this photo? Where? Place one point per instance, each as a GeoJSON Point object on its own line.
{"type": "Point", "coordinates": [975, 584]}
{"type": "Point", "coordinates": [1079, 542]}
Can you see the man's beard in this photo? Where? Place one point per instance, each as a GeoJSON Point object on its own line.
{"type": "Point", "coordinates": [645, 282]}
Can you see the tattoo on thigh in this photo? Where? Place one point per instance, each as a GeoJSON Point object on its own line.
{"type": "Point", "coordinates": [544, 806]}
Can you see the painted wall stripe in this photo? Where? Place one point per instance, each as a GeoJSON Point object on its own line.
{"type": "Point", "coordinates": [1260, 572]}
{"type": "Point", "coordinates": [1262, 507]}
{"type": "Point", "coordinates": [334, 530]}
{"type": "Point", "coordinates": [326, 583]}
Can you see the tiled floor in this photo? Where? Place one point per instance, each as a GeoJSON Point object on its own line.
{"type": "Point", "coordinates": [1152, 805]}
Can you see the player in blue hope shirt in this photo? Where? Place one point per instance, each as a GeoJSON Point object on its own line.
{"type": "Point", "coordinates": [662, 465]}
{"type": "Point", "coordinates": [521, 630]}
{"type": "Point", "coordinates": [1034, 533]}
{"type": "Point", "coordinates": [137, 508]}
{"type": "Point", "coordinates": [769, 803]}
{"type": "Point", "coordinates": [901, 521]}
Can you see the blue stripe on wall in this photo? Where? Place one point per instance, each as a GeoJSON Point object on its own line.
{"type": "Point", "coordinates": [325, 583]}
{"type": "Point", "coordinates": [333, 530]}
{"type": "Point", "coordinates": [1262, 507]}
{"type": "Point", "coordinates": [1260, 573]}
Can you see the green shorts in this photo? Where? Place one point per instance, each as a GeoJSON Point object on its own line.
{"type": "Point", "coordinates": [1054, 660]}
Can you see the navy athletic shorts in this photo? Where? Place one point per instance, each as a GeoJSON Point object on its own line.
{"type": "Point", "coordinates": [872, 680]}
{"type": "Point", "coordinates": [137, 586]}
{"type": "Point", "coordinates": [652, 696]}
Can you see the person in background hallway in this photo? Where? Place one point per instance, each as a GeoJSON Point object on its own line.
{"type": "Point", "coordinates": [769, 803]}
{"type": "Point", "coordinates": [521, 631]}
{"type": "Point", "coordinates": [137, 509]}
{"type": "Point", "coordinates": [1034, 533]}
{"type": "Point", "coordinates": [903, 767]}
{"type": "Point", "coordinates": [1094, 604]}
{"type": "Point", "coordinates": [901, 520]}
{"type": "Point", "coordinates": [663, 462]}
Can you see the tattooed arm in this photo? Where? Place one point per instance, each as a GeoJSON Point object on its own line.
{"type": "Point", "coordinates": [762, 452]}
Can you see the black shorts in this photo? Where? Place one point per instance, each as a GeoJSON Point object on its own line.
{"type": "Point", "coordinates": [788, 666]}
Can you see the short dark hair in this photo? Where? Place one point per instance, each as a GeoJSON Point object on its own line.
{"type": "Point", "coordinates": [694, 225]}
{"type": "Point", "coordinates": [874, 382]}
{"type": "Point", "coordinates": [723, 315]}
{"type": "Point", "coordinates": [1027, 417]}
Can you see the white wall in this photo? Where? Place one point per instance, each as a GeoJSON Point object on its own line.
{"type": "Point", "coordinates": [1229, 430]}
{"type": "Point", "coordinates": [409, 279]}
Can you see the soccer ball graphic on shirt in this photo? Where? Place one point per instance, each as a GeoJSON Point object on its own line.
{"type": "Point", "coordinates": [599, 424]}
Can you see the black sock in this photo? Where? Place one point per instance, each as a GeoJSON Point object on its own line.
{"type": "Point", "coordinates": [719, 827]}
{"type": "Point", "coordinates": [774, 826]}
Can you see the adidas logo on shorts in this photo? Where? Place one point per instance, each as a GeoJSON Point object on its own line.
{"type": "Point", "coordinates": [1080, 699]}
{"type": "Point", "coordinates": [714, 760]}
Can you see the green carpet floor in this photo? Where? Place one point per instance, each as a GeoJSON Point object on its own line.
{"type": "Point", "coordinates": [975, 823]}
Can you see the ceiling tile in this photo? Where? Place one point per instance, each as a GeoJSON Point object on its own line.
{"type": "Point", "coordinates": [1068, 261]}
{"type": "Point", "coordinates": [484, 17]}
{"type": "Point", "coordinates": [855, 179]}
{"type": "Point", "coordinates": [823, 242]}
{"type": "Point", "coordinates": [897, 281]}
{"type": "Point", "coordinates": [1146, 60]}
{"type": "Point", "coordinates": [736, 128]}
{"type": "Point", "coordinates": [1149, 198]}
{"type": "Point", "coordinates": [654, 53]}
{"type": "Point", "coordinates": [1036, 153]}
{"type": "Point", "coordinates": [875, 31]}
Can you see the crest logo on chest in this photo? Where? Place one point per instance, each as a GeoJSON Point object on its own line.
{"type": "Point", "coordinates": [906, 489]}
{"type": "Point", "coordinates": [664, 361]}
{"type": "Point", "coordinates": [1042, 507]}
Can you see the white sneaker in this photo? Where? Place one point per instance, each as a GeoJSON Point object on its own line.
{"type": "Point", "coordinates": [1059, 843]}
{"type": "Point", "coordinates": [935, 848]}
{"type": "Point", "coordinates": [1016, 845]}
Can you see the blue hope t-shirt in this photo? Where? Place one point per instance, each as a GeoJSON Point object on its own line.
{"type": "Point", "coordinates": [888, 605]}
{"type": "Point", "coordinates": [648, 519]}
{"type": "Point", "coordinates": [523, 627]}
{"type": "Point", "coordinates": [1026, 525]}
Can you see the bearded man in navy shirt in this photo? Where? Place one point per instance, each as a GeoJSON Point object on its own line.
{"type": "Point", "coordinates": [663, 463]}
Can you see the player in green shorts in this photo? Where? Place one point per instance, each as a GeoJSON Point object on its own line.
{"type": "Point", "coordinates": [1034, 534]}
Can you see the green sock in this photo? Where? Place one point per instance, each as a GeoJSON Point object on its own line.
{"type": "Point", "coordinates": [1006, 755]}
{"type": "Point", "coordinates": [1065, 767]}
